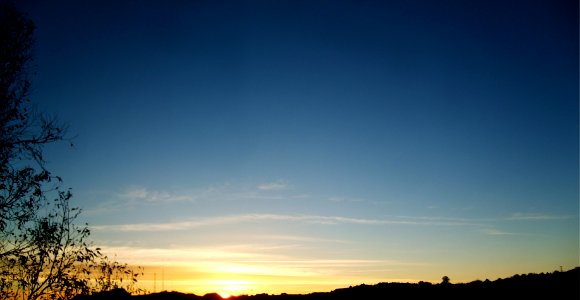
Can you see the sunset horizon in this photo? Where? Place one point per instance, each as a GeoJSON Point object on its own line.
{"type": "Point", "coordinates": [248, 147]}
{"type": "Point", "coordinates": [157, 279]}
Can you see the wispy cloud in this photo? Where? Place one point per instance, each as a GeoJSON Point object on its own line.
{"type": "Point", "coordinates": [519, 216]}
{"type": "Point", "coordinates": [223, 260]}
{"type": "Point", "coordinates": [136, 197]}
{"type": "Point", "coordinates": [181, 256]}
{"type": "Point", "coordinates": [345, 199]}
{"type": "Point", "coordinates": [145, 195]}
{"type": "Point", "coordinates": [495, 232]}
{"type": "Point", "coordinates": [295, 238]}
{"type": "Point", "coordinates": [273, 186]}
{"type": "Point", "coordinates": [312, 219]}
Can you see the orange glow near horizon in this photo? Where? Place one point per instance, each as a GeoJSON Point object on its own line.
{"type": "Point", "coordinates": [241, 271]}
{"type": "Point", "coordinates": [236, 284]}
{"type": "Point", "coordinates": [228, 284]}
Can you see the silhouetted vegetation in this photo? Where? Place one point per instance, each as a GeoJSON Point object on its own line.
{"type": "Point", "coordinates": [556, 285]}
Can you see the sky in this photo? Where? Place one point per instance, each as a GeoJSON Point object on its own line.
{"type": "Point", "coordinates": [245, 147]}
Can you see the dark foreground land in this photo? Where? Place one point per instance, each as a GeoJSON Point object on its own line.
{"type": "Point", "coordinates": [556, 285]}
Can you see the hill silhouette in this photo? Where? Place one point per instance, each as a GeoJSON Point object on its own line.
{"type": "Point", "coordinates": [556, 285]}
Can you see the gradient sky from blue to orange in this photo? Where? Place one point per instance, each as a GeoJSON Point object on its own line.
{"type": "Point", "coordinates": [271, 146]}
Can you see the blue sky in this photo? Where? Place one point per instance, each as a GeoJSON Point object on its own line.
{"type": "Point", "coordinates": [406, 140]}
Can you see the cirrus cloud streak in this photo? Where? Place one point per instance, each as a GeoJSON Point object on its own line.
{"type": "Point", "coordinates": [246, 218]}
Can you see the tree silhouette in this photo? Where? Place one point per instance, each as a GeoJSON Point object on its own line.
{"type": "Point", "coordinates": [22, 134]}
{"type": "Point", "coordinates": [445, 280]}
{"type": "Point", "coordinates": [44, 254]}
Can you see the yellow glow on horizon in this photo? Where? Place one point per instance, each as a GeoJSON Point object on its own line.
{"type": "Point", "coordinates": [224, 295]}
{"type": "Point", "coordinates": [232, 287]}
{"type": "Point", "coordinates": [248, 284]}
{"type": "Point", "coordinates": [238, 271]}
